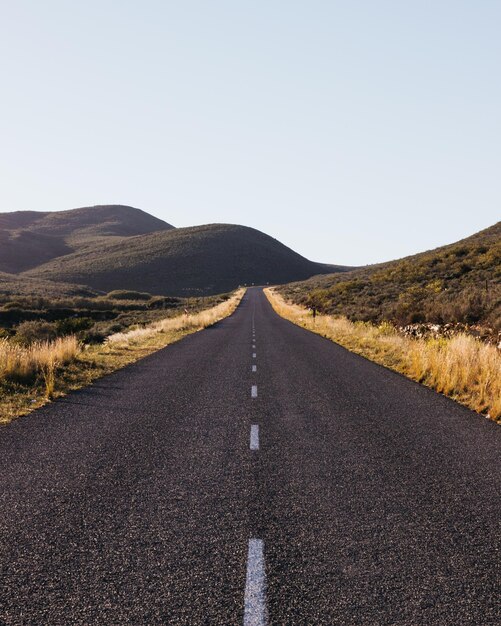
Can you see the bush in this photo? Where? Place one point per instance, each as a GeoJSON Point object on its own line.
{"type": "Point", "coordinates": [73, 325]}
{"type": "Point", "coordinates": [35, 331]}
{"type": "Point", "coordinates": [94, 336]}
{"type": "Point", "coordinates": [98, 332]}
{"type": "Point", "coordinates": [123, 294]}
{"type": "Point", "coordinates": [12, 304]}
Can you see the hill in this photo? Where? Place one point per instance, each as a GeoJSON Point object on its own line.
{"type": "Point", "coordinates": [13, 285]}
{"type": "Point", "coordinates": [185, 261]}
{"type": "Point", "coordinates": [30, 238]}
{"type": "Point", "coordinates": [460, 282]}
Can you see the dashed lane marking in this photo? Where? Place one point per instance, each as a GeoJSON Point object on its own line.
{"type": "Point", "coordinates": [254, 391]}
{"type": "Point", "coordinates": [254, 437]}
{"type": "Point", "coordinates": [254, 368]}
{"type": "Point", "coordinates": [255, 611]}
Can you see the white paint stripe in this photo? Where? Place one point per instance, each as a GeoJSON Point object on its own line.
{"type": "Point", "coordinates": [254, 391]}
{"type": "Point", "coordinates": [254, 346]}
{"type": "Point", "coordinates": [255, 611]}
{"type": "Point", "coordinates": [254, 368]}
{"type": "Point", "coordinates": [254, 355]}
{"type": "Point", "coordinates": [254, 437]}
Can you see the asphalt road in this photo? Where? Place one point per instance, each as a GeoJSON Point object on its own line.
{"type": "Point", "coordinates": [366, 499]}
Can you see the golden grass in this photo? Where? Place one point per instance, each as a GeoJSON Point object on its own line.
{"type": "Point", "coordinates": [462, 368]}
{"type": "Point", "coordinates": [25, 363]}
{"type": "Point", "coordinates": [29, 377]}
{"type": "Point", "coordinates": [184, 324]}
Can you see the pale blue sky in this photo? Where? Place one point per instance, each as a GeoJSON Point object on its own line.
{"type": "Point", "coordinates": [354, 131]}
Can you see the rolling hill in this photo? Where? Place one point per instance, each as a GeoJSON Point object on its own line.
{"type": "Point", "coordinates": [109, 247]}
{"type": "Point", "coordinates": [184, 261]}
{"type": "Point", "coordinates": [460, 282]}
{"type": "Point", "coordinates": [30, 238]}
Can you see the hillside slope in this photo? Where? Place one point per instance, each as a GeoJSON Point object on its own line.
{"type": "Point", "coordinates": [460, 282]}
{"type": "Point", "coordinates": [30, 238]}
{"type": "Point", "coordinates": [14, 285]}
{"type": "Point", "coordinates": [185, 261]}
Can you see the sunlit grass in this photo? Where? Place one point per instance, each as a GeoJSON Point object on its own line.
{"type": "Point", "coordinates": [24, 363]}
{"type": "Point", "coordinates": [185, 324]}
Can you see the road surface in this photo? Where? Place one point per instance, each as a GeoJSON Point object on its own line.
{"type": "Point", "coordinates": [253, 473]}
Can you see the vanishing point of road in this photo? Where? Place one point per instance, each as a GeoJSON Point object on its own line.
{"type": "Point", "coordinates": [257, 474]}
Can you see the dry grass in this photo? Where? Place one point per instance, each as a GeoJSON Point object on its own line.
{"type": "Point", "coordinates": [462, 368]}
{"type": "Point", "coordinates": [31, 376]}
{"type": "Point", "coordinates": [185, 324]}
{"type": "Point", "coordinates": [26, 363]}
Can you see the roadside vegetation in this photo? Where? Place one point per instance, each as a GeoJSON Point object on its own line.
{"type": "Point", "coordinates": [462, 367]}
{"type": "Point", "coordinates": [25, 317]}
{"type": "Point", "coordinates": [458, 284]}
{"type": "Point", "coordinates": [42, 360]}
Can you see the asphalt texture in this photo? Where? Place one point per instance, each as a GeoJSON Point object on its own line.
{"type": "Point", "coordinates": [377, 501]}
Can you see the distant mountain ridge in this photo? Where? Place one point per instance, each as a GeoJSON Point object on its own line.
{"type": "Point", "coordinates": [111, 247]}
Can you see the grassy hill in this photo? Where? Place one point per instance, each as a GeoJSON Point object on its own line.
{"type": "Point", "coordinates": [13, 285]}
{"type": "Point", "coordinates": [30, 238]}
{"type": "Point", "coordinates": [460, 282]}
{"type": "Point", "coordinates": [186, 261]}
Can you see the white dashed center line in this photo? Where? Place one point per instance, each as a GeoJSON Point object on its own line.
{"type": "Point", "coordinates": [255, 612]}
{"type": "Point", "coordinates": [254, 437]}
{"type": "Point", "coordinates": [254, 368]}
{"type": "Point", "coordinates": [254, 391]}
{"type": "Point", "coordinates": [254, 355]}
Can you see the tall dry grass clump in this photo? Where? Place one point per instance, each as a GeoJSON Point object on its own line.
{"type": "Point", "coordinates": [460, 367]}
{"type": "Point", "coordinates": [181, 324]}
{"type": "Point", "coordinates": [26, 363]}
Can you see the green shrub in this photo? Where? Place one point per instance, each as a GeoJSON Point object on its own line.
{"type": "Point", "coordinates": [94, 336]}
{"type": "Point", "coordinates": [73, 325]}
{"type": "Point", "coordinates": [34, 331]}
{"type": "Point", "coordinates": [123, 294]}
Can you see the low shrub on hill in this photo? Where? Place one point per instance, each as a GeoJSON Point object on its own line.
{"type": "Point", "coordinates": [28, 333]}
{"type": "Point", "coordinates": [122, 294]}
{"type": "Point", "coordinates": [460, 283]}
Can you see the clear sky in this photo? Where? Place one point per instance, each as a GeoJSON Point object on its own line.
{"type": "Point", "coordinates": [354, 131]}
